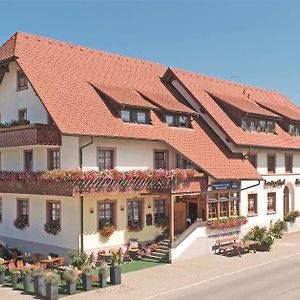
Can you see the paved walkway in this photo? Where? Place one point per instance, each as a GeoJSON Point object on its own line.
{"type": "Point", "coordinates": [149, 283]}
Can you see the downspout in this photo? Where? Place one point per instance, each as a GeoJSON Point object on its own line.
{"type": "Point", "coordinates": [81, 197]}
{"type": "Point", "coordinates": [251, 186]}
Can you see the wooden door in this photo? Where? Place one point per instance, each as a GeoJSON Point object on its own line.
{"type": "Point", "coordinates": [179, 217]}
{"type": "Point", "coordinates": [286, 201]}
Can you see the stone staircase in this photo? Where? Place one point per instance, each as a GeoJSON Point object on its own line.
{"type": "Point", "coordinates": [161, 254]}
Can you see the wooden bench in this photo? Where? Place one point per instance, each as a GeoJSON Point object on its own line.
{"type": "Point", "coordinates": [225, 244]}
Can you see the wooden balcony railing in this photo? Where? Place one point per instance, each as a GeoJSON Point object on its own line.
{"type": "Point", "coordinates": [31, 134]}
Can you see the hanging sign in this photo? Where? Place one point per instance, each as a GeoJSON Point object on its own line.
{"type": "Point", "coordinates": [229, 185]}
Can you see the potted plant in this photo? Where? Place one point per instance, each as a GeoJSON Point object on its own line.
{"type": "Point", "coordinates": [14, 273]}
{"type": "Point", "coordinates": [115, 269]}
{"type": "Point", "coordinates": [3, 268]}
{"type": "Point", "coordinates": [78, 258]}
{"type": "Point", "coordinates": [135, 226]}
{"type": "Point", "coordinates": [21, 222]}
{"type": "Point", "coordinates": [87, 277]}
{"type": "Point", "coordinates": [38, 281]}
{"type": "Point", "coordinates": [291, 216]}
{"type": "Point", "coordinates": [260, 234]}
{"type": "Point", "coordinates": [70, 276]}
{"type": "Point", "coordinates": [52, 227]}
{"type": "Point", "coordinates": [107, 229]}
{"type": "Point", "coordinates": [26, 272]}
{"type": "Point", "coordinates": [102, 271]}
{"type": "Point", "coordinates": [51, 279]}
{"type": "Point", "coordinates": [162, 221]}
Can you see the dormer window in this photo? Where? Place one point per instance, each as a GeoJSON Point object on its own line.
{"type": "Point", "coordinates": [22, 83]}
{"type": "Point", "coordinates": [294, 130]}
{"type": "Point", "coordinates": [135, 116]}
{"type": "Point", "coordinates": [125, 115]}
{"type": "Point", "coordinates": [257, 125]}
{"type": "Point", "coordinates": [178, 120]}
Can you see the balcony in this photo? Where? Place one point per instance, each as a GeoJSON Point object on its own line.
{"type": "Point", "coordinates": [28, 135]}
{"type": "Point", "coordinates": [78, 183]}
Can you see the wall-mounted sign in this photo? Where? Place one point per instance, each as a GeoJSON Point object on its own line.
{"type": "Point", "coordinates": [226, 185]}
{"type": "Point", "coordinates": [274, 183]}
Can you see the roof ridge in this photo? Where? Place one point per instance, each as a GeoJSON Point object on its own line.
{"type": "Point", "coordinates": [91, 50]}
{"type": "Point", "coordinates": [230, 82]}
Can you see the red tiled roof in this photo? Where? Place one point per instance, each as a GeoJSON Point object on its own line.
{"type": "Point", "coordinates": [61, 74]}
{"type": "Point", "coordinates": [125, 95]}
{"type": "Point", "coordinates": [199, 86]}
{"type": "Point", "coordinates": [242, 103]}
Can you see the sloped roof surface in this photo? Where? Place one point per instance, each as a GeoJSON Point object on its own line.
{"type": "Point", "coordinates": [62, 75]}
{"type": "Point", "coordinates": [201, 87]}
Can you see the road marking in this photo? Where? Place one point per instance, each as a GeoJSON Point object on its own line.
{"type": "Point", "coordinates": [221, 276]}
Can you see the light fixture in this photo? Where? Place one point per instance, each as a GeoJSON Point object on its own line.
{"type": "Point", "coordinates": [91, 210]}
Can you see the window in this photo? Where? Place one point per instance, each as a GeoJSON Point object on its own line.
{"type": "Point", "coordinates": [106, 212]}
{"type": "Point", "coordinates": [170, 120]}
{"type": "Point", "coordinates": [234, 204]}
{"type": "Point", "coordinates": [125, 115]}
{"type": "Point", "coordinates": [212, 210]}
{"type": "Point", "coordinates": [271, 163]}
{"type": "Point", "coordinates": [54, 159]}
{"type": "Point", "coordinates": [159, 209]}
{"type": "Point", "coordinates": [134, 211]}
{"type": "Point", "coordinates": [288, 163]}
{"type": "Point", "coordinates": [252, 204]}
{"type": "Point", "coordinates": [53, 211]}
{"type": "Point", "coordinates": [28, 160]}
{"type": "Point", "coordinates": [257, 125]}
{"type": "Point", "coordinates": [223, 209]}
{"type": "Point", "coordinates": [22, 83]}
{"type": "Point", "coordinates": [105, 159]}
{"type": "Point", "coordinates": [22, 114]}
{"type": "Point", "coordinates": [271, 202]}
{"type": "Point", "coordinates": [160, 159]}
{"type": "Point", "coordinates": [182, 163]}
{"type": "Point", "coordinates": [141, 117]}
{"type": "Point", "coordinates": [244, 124]}
{"type": "Point", "coordinates": [253, 160]}
{"type": "Point", "coordinates": [1, 209]}
{"type": "Point", "coordinates": [23, 210]}
{"type": "Point", "coordinates": [0, 162]}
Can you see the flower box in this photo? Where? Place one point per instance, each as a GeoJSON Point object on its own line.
{"type": "Point", "coordinates": [223, 223]}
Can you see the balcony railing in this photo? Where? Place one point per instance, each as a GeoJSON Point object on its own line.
{"type": "Point", "coordinates": [28, 135]}
{"type": "Point", "coordinates": [75, 183]}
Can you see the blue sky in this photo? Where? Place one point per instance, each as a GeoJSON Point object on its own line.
{"type": "Point", "coordinates": [250, 41]}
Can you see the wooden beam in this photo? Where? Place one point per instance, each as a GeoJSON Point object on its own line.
{"type": "Point", "coordinates": [172, 228]}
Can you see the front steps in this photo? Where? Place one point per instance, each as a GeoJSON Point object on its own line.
{"type": "Point", "coordinates": [161, 254]}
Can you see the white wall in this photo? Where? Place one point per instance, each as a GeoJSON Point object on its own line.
{"type": "Point", "coordinates": [130, 154]}
{"type": "Point", "coordinates": [11, 100]}
{"type": "Point", "coordinates": [12, 159]}
{"type": "Point", "coordinates": [68, 237]}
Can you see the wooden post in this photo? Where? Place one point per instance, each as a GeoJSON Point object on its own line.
{"type": "Point", "coordinates": [198, 207]}
{"type": "Point", "coordinates": [172, 231]}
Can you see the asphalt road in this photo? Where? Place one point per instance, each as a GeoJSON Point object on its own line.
{"type": "Point", "coordinates": [275, 281]}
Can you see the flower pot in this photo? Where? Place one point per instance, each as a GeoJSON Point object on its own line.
{"type": "Point", "coordinates": [2, 276]}
{"type": "Point", "coordinates": [102, 280]}
{"type": "Point", "coordinates": [115, 276]}
{"type": "Point", "coordinates": [71, 287]}
{"type": "Point", "coordinates": [51, 291]}
{"type": "Point", "coordinates": [26, 282]}
{"type": "Point", "coordinates": [87, 282]}
{"type": "Point", "coordinates": [262, 248]}
{"type": "Point", "coordinates": [14, 281]}
{"type": "Point", "coordinates": [39, 285]}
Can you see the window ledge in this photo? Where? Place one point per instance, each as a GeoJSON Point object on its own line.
{"type": "Point", "coordinates": [252, 215]}
{"type": "Point", "coordinates": [271, 212]}
{"type": "Point", "coordinates": [20, 89]}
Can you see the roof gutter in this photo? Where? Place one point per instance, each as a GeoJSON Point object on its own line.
{"type": "Point", "coordinates": [81, 197]}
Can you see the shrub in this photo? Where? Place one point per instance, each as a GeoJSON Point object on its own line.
{"type": "Point", "coordinates": [2, 267]}
{"type": "Point", "coordinates": [51, 277]}
{"type": "Point", "coordinates": [116, 259]}
{"type": "Point", "coordinates": [78, 258]}
{"type": "Point", "coordinates": [278, 228]}
{"type": "Point", "coordinates": [87, 270]}
{"type": "Point", "coordinates": [291, 216]}
{"type": "Point", "coordinates": [255, 234]}
{"type": "Point", "coordinates": [70, 274]}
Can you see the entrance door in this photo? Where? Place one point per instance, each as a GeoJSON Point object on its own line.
{"type": "Point", "coordinates": [179, 217]}
{"type": "Point", "coordinates": [286, 200]}
{"type": "Point", "coordinates": [193, 213]}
